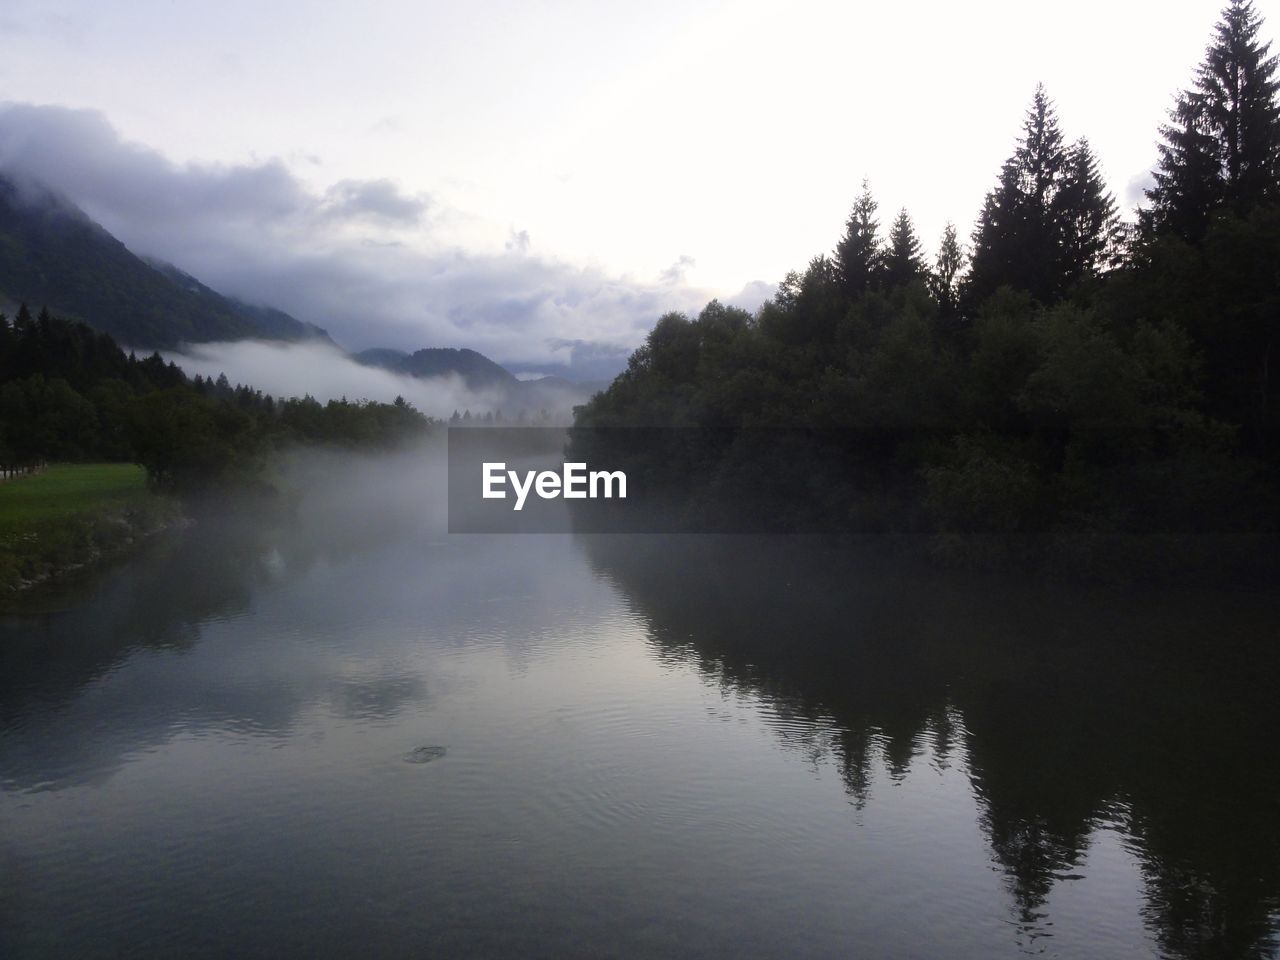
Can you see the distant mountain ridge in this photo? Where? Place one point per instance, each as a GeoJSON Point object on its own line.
{"type": "Point", "coordinates": [492, 381]}
{"type": "Point", "coordinates": [476, 370]}
{"type": "Point", "coordinates": [271, 323]}
{"type": "Point", "coordinates": [52, 254]}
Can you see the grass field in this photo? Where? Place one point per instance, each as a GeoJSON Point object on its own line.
{"type": "Point", "coordinates": [71, 515]}
{"type": "Point", "coordinates": [64, 490]}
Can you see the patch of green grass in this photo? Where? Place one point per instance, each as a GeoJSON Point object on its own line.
{"type": "Point", "coordinates": [70, 515]}
{"type": "Point", "coordinates": [64, 490]}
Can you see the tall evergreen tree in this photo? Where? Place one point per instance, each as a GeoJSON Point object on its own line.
{"type": "Point", "coordinates": [1041, 155]}
{"type": "Point", "coordinates": [1238, 85]}
{"type": "Point", "coordinates": [1188, 178]}
{"type": "Point", "coordinates": [997, 255]}
{"type": "Point", "coordinates": [23, 321]}
{"type": "Point", "coordinates": [1018, 239]}
{"type": "Point", "coordinates": [1222, 144]}
{"type": "Point", "coordinates": [944, 281]}
{"type": "Point", "coordinates": [1086, 215]}
{"type": "Point", "coordinates": [903, 261]}
{"type": "Point", "coordinates": [1050, 220]}
{"type": "Point", "coordinates": [858, 256]}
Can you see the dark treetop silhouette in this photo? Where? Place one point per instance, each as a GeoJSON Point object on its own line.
{"type": "Point", "coordinates": [1083, 381]}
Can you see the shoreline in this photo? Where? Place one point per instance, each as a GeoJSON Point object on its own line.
{"type": "Point", "coordinates": [72, 517]}
{"type": "Point", "coordinates": [98, 554]}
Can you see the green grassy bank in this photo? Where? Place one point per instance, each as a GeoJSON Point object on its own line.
{"type": "Point", "coordinates": [70, 515]}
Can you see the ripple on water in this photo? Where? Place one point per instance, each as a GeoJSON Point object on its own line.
{"type": "Point", "coordinates": [425, 753]}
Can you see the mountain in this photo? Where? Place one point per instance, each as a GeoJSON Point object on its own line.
{"type": "Point", "coordinates": [383, 357]}
{"type": "Point", "coordinates": [268, 322]}
{"type": "Point", "coordinates": [496, 387]}
{"type": "Point", "coordinates": [477, 371]}
{"type": "Point", "coordinates": [53, 255]}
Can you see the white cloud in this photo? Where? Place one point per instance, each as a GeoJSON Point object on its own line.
{"type": "Point", "coordinates": [326, 373]}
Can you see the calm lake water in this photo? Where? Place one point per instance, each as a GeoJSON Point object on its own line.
{"type": "Point", "coordinates": [354, 735]}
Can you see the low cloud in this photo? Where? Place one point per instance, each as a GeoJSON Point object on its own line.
{"type": "Point", "coordinates": [326, 373]}
{"type": "Point", "coordinates": [518, 242]}
{"type": "Point", "coordinates": [368, 261]}
{"type": "Point", "coordinates": [676, 273]}
{"type": "Point", "coordinates": [579, 360]}
{"type": "Point", "coordinates": [374, 199]}
{"type": "Point", "coordinates": [323, 371]}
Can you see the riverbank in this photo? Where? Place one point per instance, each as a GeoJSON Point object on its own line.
{"type": "Point", "coordinates": [72, 515]}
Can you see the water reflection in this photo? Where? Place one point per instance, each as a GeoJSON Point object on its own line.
{"type": "Point", "coordinates": [249, 618]}
{"type": "Point", "coordinates": [587, 795]}
{"type": "Point", "coordinates": [1077, 710]}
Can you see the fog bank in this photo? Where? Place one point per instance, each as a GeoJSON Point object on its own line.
{"type": "Point", "coordinates": [320, 370]}
{"type": "Point", "coordinates": [326, 373]}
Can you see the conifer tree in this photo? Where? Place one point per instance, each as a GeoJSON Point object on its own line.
{"type": "Point", "coordinates": [903, 262]}
{"type": "Point", "coordinates": [22, 321]}
{"type": "Point", "coordinates": [944, 281]}
{"type": "Point", "coordinates": [1222, 142]}
{"type": "Point", "coordinates": [997, 254]}
{"type": "Point", "coordinates": [1017, 241]}
{"type": "Point", "coordinates": [1049, 220]}
{"type": "Point", "coordinates": [1086, 215]}
{"type": "Point", "coordinates": [858, 256]}
{"type": "Point", "coordinates": [1238, 85]}
{"type": "Point", "coordinates": [1188, 180]}
{"type": "Point", "coordinates": [1041, 155]}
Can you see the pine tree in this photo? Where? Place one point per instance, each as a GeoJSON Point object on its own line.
{"type": "Point", "coordinates": [858, 255]}
{"type": "Point", "coordinates": [1017, 241]}
{"type": "Point", "coordinates": [1041, 155]}
{"type": "Point", "coordinates": [1188, 181]}
{"type": "Point", "coordinates": [903, 262]}
{"type": "Point", "coordinates": [1238, 85]}
{"type": "Point", "coordinates": [1222, 144]}
{"type": "Point", "coordinates": [22, 321]}
{"type": "Point", "coordinates": [1049, 221]}
{"type": "Point", "coordinates": [998, 254]}
{"type": "Point", "coordinates": [1086, 214]}
{"type": "Point", "coordinates": [945, 278]}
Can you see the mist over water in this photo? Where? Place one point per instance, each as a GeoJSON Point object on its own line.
{"type": "Point", "coordinates": [643, 746]}
{"type": "Point", "coordinates": [325, 372]}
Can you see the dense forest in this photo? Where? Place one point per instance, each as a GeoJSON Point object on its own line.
{"type": "Point", "coordinates": [1067, 378]}
{"type": "Point", "coordinates": [68, 392]}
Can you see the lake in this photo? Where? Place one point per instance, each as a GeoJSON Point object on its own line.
{"type": "Point", "coordinates": [347, 733]}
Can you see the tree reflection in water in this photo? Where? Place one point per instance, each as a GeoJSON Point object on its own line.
{"type": "Point", "coordinates": [1149, 712]}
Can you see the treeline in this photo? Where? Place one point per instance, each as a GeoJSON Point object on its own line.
{"type": "Point", "coordinates": [1066, 375]}
{"type": "Point", "coordinates": [496, 418]}
{"type": "Point", "coordinates": [70, 393]}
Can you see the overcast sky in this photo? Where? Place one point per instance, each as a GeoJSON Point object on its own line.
{"type": "Point", "coordinates": [524, 177]}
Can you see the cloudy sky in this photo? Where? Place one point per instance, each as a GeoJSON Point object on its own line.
{"type": "Point", "coordinates": [540, 180]}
